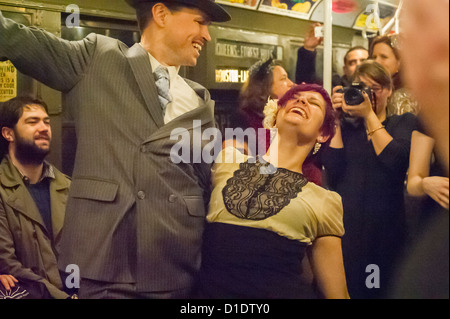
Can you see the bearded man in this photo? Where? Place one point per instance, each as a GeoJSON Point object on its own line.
{"type": "Point", "coordinates": [33, 197]}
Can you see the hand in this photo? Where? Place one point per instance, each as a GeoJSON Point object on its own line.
{"type": "Point", "coordinates": [311, 41]}
{"type": "Point", "coordinates": [8, 281]}
{"type": "Point", "coordinates": [362, 110]}
{"type": "Point", "coordinates": [437, 188]}
{"type": "Point", "coordinates": [337, 99]}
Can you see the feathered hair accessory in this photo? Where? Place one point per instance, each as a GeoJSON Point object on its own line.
{"type": "Point", "coordinates": [261, 69]}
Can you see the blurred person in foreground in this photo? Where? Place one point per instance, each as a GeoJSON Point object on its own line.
{"type": "Point", "coordinates": [424, 273]}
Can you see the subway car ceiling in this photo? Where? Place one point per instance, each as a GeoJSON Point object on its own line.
{"type": "Point", "coordinates": [257, 26]}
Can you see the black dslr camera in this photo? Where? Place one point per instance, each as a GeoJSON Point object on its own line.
{"type": "Point", "coordinates": [353, 95]}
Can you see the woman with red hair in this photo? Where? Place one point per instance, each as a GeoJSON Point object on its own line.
{"type": "Point", "coordinates": [264, 214]}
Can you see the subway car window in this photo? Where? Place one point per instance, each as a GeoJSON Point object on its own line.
{"type": "Point", "coordinates": [24, 83]}
{"type": "Point", "coordinates": [125, 31]}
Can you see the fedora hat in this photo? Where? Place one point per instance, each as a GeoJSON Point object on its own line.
{"type": "Point", "coordinates": [213, 10]}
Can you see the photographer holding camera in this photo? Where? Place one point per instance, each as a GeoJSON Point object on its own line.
{"type": "Point", "coordinates": [366, 164]}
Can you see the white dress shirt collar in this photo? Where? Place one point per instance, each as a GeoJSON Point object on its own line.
{"type": "Point", "coordinates": [184, 98]}
{"type": "Point", "coordinates": [173, 70]}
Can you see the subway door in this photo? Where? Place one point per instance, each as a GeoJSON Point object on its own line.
{"type": "Point", "coordinates": [13, 83]}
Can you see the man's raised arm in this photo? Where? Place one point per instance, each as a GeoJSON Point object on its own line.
{"type": "Point", "coordinates": [53, 61]}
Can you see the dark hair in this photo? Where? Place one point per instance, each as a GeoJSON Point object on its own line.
{"type": "Point", "coordinates": [328, 126]}
{"type": "Point", "coordinates": [144, 11]}
{"type": "Point", "coordinates": [359, 47]}
{"type": "Point", "coordinates": [255, 93]}
{"type": "Point", "coordinates": [10, 113]}
{"type": "Point", "coordinates": [376, 72]}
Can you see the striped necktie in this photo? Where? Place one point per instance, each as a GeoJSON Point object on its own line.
{"type": "Point", "coordinates": [162, 82]}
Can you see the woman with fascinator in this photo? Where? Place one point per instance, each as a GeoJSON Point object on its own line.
{"type": "Point", "coordinates": [265, 217]}
{"type": "Point", "coordinates": [267, 80]}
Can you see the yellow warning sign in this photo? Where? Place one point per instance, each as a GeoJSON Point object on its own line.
{"type": "Point", "coordinates": [8, 81]}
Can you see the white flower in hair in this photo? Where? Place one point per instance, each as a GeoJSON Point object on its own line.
{"type": "Point", "coordinates": [270, 113]}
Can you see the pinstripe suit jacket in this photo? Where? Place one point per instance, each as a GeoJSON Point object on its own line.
{"type": "Point", "coordinates": [132, 214]}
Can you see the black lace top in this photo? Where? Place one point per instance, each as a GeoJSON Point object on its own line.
{"type": "Point", "coordinates": [260, 223]}
{"type": "Point", "coordinates": [250, 192]}
{"type": "Point", "coordinates": [259, 190]}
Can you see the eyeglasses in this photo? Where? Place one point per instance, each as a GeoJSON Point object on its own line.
{"type": "Point", "coordinates": [376, 89]}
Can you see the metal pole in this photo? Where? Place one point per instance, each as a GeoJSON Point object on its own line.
{"type": "Point", "coordinates": [397, 17]}
{"type": "Point", "coordinates": [328, 46]}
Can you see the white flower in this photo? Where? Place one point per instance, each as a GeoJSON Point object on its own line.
{"type": "Point", "coordinates": [270, 113]}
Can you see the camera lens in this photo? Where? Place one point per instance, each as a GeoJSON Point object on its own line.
{"type": "Point", "coordinates": [353, 96]}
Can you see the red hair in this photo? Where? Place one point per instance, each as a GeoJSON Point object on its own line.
{"type": "Point", "coordinates": [328, 126]}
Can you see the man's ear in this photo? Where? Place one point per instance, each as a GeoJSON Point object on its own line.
{"type": "Point", "coordinates": [160, 13]}
{"type": "Point", "coordinates": [8, 134]}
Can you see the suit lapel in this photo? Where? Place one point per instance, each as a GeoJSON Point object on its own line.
{"type": "Point", "coordinates": [185, 121]}
{"type": "Point", "coordinates": [140, 64]}
{"type": "Point", "coordinates": [204, 113]}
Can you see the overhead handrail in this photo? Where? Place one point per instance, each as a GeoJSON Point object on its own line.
{"type": "Point", "coordinates": [395, 21]}
{"type": "Point", "coordinates": [374, 16]}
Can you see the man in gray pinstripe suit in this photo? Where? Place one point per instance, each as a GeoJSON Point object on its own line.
{"type": "Point", "coordinates": [134, 218]}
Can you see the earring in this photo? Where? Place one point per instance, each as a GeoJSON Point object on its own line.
{"type": "Point", "coordinates": [317, 148]}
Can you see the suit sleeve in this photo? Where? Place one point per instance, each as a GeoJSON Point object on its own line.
{"type": "Point", "coordinates": [53, 61]}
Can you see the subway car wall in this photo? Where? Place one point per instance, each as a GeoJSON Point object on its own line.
{"type": "Point", "coordinates": [222, 66]}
